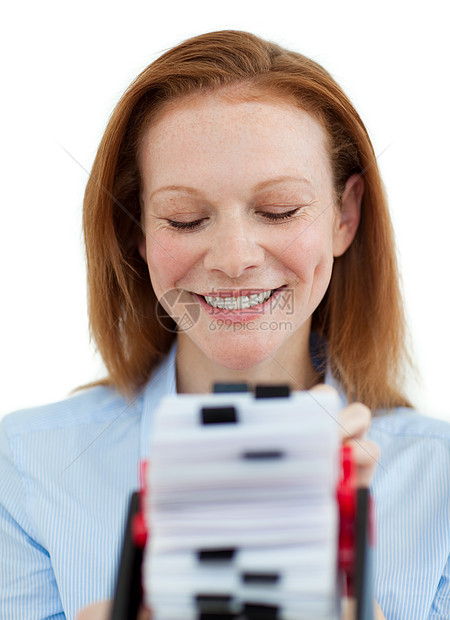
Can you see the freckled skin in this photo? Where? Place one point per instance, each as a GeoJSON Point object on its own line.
{"type": "Point", "coordinates": [224, 149]}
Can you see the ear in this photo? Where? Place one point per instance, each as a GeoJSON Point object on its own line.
{"type": "Point", "coordinates": [347, 220]}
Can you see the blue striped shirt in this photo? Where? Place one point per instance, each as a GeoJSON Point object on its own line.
{"type": "Point", "coordinates": [67, 470]}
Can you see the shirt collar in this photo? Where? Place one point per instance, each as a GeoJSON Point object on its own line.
{"type": "Point", "coordinates": [161, 383]}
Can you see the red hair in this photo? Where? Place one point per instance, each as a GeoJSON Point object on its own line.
{"type": "Point", "coordinates": [361, 316]}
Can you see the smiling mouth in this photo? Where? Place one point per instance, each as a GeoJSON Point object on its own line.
{"type": "Point", "coordinates": [241, 302]}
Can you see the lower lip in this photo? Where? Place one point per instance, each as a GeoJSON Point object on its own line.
{"type": "Point", "coordinates": [242, 315]}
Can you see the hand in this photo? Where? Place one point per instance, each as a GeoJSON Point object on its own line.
{"type": "Point", "coordinates": [99, 611]}
{"type": "Point", "coordinates": [354, 421]}
{"type": "Point", "coordinates": [349, 610]}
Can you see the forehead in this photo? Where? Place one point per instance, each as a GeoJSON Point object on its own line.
{"type": "Point", "coordinates": [212, 136]}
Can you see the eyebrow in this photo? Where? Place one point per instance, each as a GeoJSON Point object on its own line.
{"type": "Point", "coordinates": [186, 189]}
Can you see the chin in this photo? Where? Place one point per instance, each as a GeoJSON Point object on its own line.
{"type": "Point", "coordinates": [239, 355]}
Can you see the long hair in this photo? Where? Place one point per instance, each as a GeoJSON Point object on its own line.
{"type": "Point", "coordinates": [361, 316]}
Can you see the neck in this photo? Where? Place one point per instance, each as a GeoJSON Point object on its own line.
{"type": "Point", "coordinates": [290, 365]}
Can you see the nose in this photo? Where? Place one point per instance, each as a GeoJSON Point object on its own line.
{"type": "Point", "coordinates": [234, 248]}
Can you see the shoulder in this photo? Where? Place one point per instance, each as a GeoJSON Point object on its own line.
{"type": "Point", "coordinates": [96, 404]}
{"type": "Point", "coordinates": [67, 448]}
{"type": "Point", "coordinates": [65, 471]}
{"type": "Point", "coordinates": [411, 489]}
{"type": "Point", "coordinates": [409, 423]}
{"type": "Point", "coordinates": [414, 463]}
{"type": "Point", "coordinates": [413, 472]}
{"type": "Point", "coordinates": [36, 441]}
{"type": "Point", "coordinates": [413, 440]}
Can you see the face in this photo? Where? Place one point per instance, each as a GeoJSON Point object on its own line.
{"type": "Point", "coordinates": [238, 200]}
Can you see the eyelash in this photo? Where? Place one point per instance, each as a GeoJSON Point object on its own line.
{"type": "Point", "coordinates": [270, 216]}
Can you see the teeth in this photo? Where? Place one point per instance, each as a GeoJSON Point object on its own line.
{"type": "Point", "coordinates": [238, 303]}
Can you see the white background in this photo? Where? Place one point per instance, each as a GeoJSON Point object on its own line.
{"type": "Point", "coordinates": [65, 66]}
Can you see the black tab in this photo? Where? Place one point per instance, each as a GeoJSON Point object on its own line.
{"type": "Point", "coordinates": [216, 555]}
{"type": "Point", "coordinates": [252, 611]}
{"type": "Point", "coordinates": [272, 391]}
{"type": "Point", "coordinates": [214, 603]}
{"type": "Point", "coordinates": [262, 455]}
{"type": "Point", "coordinates": [220, 616]}
{"type": "Point", "coordinates": [223, 388]}
{"type": "Point", "coordinates": [260, 578]}
{"type": "Point", "coordinates": [206, 599]}
{"type": "Point", "coordinates": [219, 415]}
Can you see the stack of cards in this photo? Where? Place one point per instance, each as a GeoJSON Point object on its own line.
{"type": "Point", "coordinates": [242, 508]}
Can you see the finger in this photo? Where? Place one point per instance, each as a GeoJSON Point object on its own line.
{"type": "Point", "coordinates": [348, 609]}
{"type": "Point", "coordinates": [98, 611]}
{"type": "Point", "coordinates": [144, 614]}
{"type": "Point", "coordinates": [323, 387]}
{"type": "Point", "coordinates": [354, 420]}
{"type": "Point", "coordinates": [366, 454]}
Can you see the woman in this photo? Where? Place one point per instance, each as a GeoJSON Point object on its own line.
{"type": "Point", "coordinates": [236, 229]}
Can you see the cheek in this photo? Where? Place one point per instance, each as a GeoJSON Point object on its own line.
{"type": "Point", "coordinates": [168, 260]}
{"type": "Point", "coordinates": [310, 255]}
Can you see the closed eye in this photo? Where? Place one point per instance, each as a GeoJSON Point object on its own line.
{"type": "Point", "coordinates": [274, 217]}
{"type": "Point", "coordinates": [185, 225]}
{"type": "Point", "coordinates": [279, 216]}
